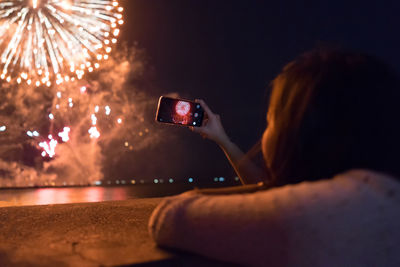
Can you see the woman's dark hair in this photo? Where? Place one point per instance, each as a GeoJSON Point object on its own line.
{"type": "Point", "coordinates": [331, 111]}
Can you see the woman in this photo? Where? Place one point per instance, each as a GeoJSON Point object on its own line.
{"type": "Point", "coordinates": [331, 149]}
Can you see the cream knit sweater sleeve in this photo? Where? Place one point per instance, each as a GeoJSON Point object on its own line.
{"type": "Point", "coordinates": [352, 219]}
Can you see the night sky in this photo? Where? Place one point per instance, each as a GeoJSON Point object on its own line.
{"type": "Point", "coordinates": [227, 52]}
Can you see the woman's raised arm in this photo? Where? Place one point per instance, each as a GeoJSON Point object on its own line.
{"type": "Point", "coordinates": [212, 129]}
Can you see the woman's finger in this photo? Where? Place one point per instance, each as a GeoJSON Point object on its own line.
{"type": "Point", "coordinates": [205, 107]}
{"type": "Point", "coordinates": [197, 129]}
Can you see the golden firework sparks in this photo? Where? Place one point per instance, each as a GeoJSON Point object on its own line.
{"type": "Point", "coordinates": [52, 41]}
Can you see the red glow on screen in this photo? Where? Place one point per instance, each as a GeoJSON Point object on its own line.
{"type": "Point", "coordinates": [182, 108]}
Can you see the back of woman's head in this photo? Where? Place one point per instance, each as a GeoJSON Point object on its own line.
{"type": "Point", "coordinates": [331, 111]}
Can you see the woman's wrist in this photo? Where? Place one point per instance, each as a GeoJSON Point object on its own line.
{"type": "Point", "coordinates": [224, 141]}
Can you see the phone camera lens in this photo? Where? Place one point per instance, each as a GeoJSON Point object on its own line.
{"type": "Point", "coordinates": [196, 115]}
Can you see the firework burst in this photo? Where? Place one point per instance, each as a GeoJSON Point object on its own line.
{"type": "Point", "coordinates": [52, 41]}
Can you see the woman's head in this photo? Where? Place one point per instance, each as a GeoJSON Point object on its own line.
{"type": "Point", "coordinates": [331, 111]}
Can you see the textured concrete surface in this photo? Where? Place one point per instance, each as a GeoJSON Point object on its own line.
{"type": "Point", "coordinates": [88, 234]}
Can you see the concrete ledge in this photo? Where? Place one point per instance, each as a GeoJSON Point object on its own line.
{"type": "Point", "coordinates": [87, 234]}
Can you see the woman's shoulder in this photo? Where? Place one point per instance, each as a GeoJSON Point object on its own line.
{"type": "Point", "coordinates": [348, 188]}
{"type": "Point", "coordinates": [374, 179]}
{"type": "Point", "coordinates": [356, 184]}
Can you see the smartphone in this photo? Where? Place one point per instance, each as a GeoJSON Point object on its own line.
{"type": "Point", "coordinates": [179, 112]}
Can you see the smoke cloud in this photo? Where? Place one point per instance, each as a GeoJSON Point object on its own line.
{"type": "Point", "coordinates": [113, 99]}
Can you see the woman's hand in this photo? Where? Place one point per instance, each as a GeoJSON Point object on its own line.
{"type": "Point", "coordinates": [212, 127]}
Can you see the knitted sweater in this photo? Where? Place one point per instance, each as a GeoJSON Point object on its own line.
{"type": "Point", "coordinates": [352, 219]}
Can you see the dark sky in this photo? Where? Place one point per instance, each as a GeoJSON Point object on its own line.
{"type": "Point", "coordinates": [227, 52]}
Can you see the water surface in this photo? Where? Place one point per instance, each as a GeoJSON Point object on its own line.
{"type": "Point", "coordinates": [45, 196]}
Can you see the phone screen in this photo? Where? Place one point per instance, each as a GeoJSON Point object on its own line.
{"type": "Point", "coordinates": [179, 111]}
